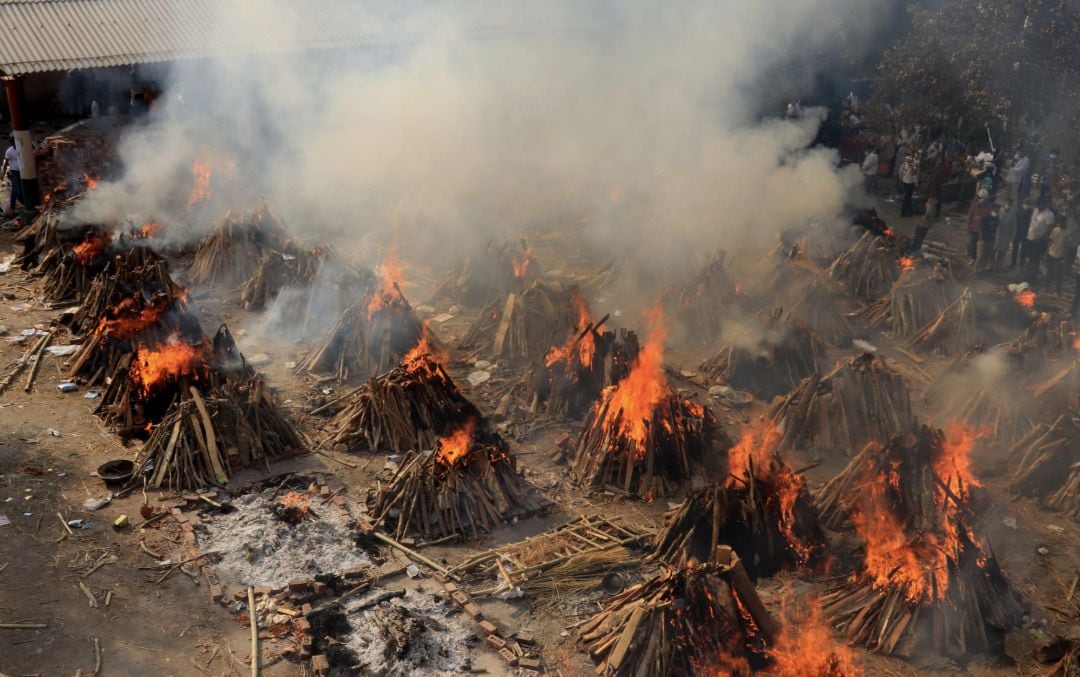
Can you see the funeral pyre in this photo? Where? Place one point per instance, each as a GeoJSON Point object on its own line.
{"type": "Point", "coordinates": [860, 400]}
{"type": "Point", "coordinates": [518, 328]}
{"type": "Point", "coordinates": [641, 438]}
{"type": "Point", "coordinates": [699, 303]}
{"type": "Point", "coordinates": [1045, 466]}
{"type": "Point", "coordinates": [767, 358]}
{"type": "Point", "coordinates": [372, 335]}
{"type": "Point", "coordinates": [763, 510]}
{"type": "Point", "coordinates": [466, 485]}
{"type": "Point", "coordinates": [406, 408]}
{"type": "Point", "coordinates": [925, 577]}
{"type": "Point", "coordinates": [704, 620]}
{"type": "Point", "coordinates": [868, 268]}
{"type": "Point", "coordinates": [230, 252]}
{"type": "Point", "coordinates": [499, 269]}
{"type": "Point", "coordinates": [298, 285]}
{"type": "Point", "coordinates": [918, 297]}
{"type": "Point", "coordinates": [806, 294]}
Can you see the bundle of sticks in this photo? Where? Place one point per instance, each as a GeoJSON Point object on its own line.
{"type": "Point", "coordinates": [523, 327]}
{"type": "Point", "coordinates": [135, 270]}
{"type": "Point", "coordinates": [499, 269]}
{"type": "Point", "coordinates": [918, 297]}
{"type": "Point", "coordinates": [44, 233]}
{"type": "Point", "coordinates": [1045, 465]}
{"type": "Point", "coordinates": [370, 336]}
{"type": "Point", "coordinates": [467, 485]}
{"type": "Point", "coordinates": [696, 621]}
{"type": "Point", "coordinates": [768, 358]}
{"type": "Point", "coordinates": [869, 267]}
{"type": "Point", "coordinates": [767, 517]}
{"type": "Point", "coordinates": [955, 330]}
{"type": "Point", "coordinates": [231, 251]}
{"type": "Point", "coordinates": [406, 408]}
{"type": "Point", "coordinates": [699, 302]}
{"type": "Point", "coordinates": [648, 458]}
{"type": "Point", "coordinates": [925, 578]}
{"type": "Point", "coordinates": [980, 389]}
{"type": "Point", "coordinates": [313, 271]}
{"type": "Point", "coordinates": [69, 267]}
{"type": "Point", "coordinates": [823, 308]}
{"type": "Point", "coordinates": [860, 400]}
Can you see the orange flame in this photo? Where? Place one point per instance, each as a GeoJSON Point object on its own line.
{"type": "Point", "coordinates": [296, 499]}
{"type": "Point", "coordinates": [586, 346]}
{"type": "Point", "coordinates": [90, 248]}
{"type": "Point", "coordinates": [1026, 298]}
{"type": "Point", "coordinates": [202, 171]}
{"type": "Point", "coordinates": [524, 263]}
{"type": "Point", "coordinates": [413, 359]}
{"type": "Point", "coordinates": [1076, 343]}
{"type": "Point", "coordinates": [392, 277]}
{"type": "Point", "coordinates": [90, 181]}
{"type": "Point", "coordinates": [150, 229]}
{"type": "Point", "coordinates": [953, 464]}
{"type": "Point", "coordinates": [907, 263]}
{"type": "Point", "coordinates": [633, 400]}
{"type": "Point", "coordinates": [169, 361]}
{"type": "Point", "coordinates": [758, 445]}
{"type": "Point", "coordinates": [808, 647]}
{"type": "Point", "coordinates": [456, 446]}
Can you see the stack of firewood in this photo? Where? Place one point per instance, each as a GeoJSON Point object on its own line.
{"type": "Point", "coordinates": [467, 485]}
{"type": "Point", "coordinates": [230, 253]}
{"type": "Point", "coordinates": [314, 272]}
{"type": "Point", "coordinates": [695, 621]}
{"type": "Point", "coordinates": [650, 458]}
{"type": "Point", "coordinates": [699, 302]}
{"type": "Point", "coordinates": [918, 297]}
{"type": "Point", "coordinates": [523, 327]}
{"type": "Point", "coordinates": [767, 359]}
{"type": "Point", "coordinates": [498, 270]}
{"type": "Point", "coordinates": [406, 408]}
{"type": "Point", "coordinates": [136, 270]}
{"type": "Point", "coordinates": [869, 267]}
{"type": "Point", "coordinates": [955, 330]}
{"type": "Point", "coordinates": [370, 336]}
{"type": "Point", "coordinates": [861, 400]}
{"type": "Point", "coordinates": [1046, 465]}
{"type": "Point", "coordinates": [823, 308]}
{"type": "Point", "coordinates": [925, 579]}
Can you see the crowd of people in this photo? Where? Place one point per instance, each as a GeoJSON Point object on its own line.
{"type": "Point", "coordinates": [1015, 222]}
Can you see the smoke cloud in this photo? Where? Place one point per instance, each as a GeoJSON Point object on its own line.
{"type": "Point", "coordinates": [643, 125]}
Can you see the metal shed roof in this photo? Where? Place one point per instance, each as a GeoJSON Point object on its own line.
{"type": "Point", "coordinates": [51, 35]}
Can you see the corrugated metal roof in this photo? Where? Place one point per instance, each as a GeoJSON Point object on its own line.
{"type": "Point", "coordinates": [50, 35]}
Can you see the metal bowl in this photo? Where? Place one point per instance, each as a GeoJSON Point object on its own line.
{"type": "Point", "coordinates": [116, 470]}
{"type": "Point", "coordinates": [738, 398]}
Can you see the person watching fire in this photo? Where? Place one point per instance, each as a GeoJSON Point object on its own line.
{"type": "Point", "coordinates": [12, 168]}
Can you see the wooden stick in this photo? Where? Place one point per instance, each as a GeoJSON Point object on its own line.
{"type": "Point", "coordinates": [254, 622]}
{"type": "Point", "coordinates": [65, 524]}
{"type": "Point", "coordinates": [23, 626]}
{"type": "Point", "coordinates": [37, 362]}
{"type": "Point", "coordinates": [97, 656]}
{"type": "Point", "coordinates": [415, 555]}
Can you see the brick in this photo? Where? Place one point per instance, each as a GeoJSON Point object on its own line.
{"type": "Point", "coordinates": [449, 587]}
{"type": "Point", "coordinates": [187, 527]}
{"type": "Point", "coordinates": [366, 528]}
{"type": "Point", "coordinates": [525, 672]}
{"type": "Point", "coordinates": [489, 628]}
{"type": "Point", "coordinates": [178, 515]}
{"type": "Point", "coordinates": [324, 491]}
{"type": "Point", "coordinates": [355, 572]}
{"type": "Point", "coordinates": [306, 644]}
{"type": "Point", "coordinates": [525, 637]}
{"type": "Point", "coordinates": [496, 642]}
{"type": "Point", "coordinates": [319, 664]}
{"type": "Point", "coordinates": [319, 588]}
{"type": "Point", "coordinates": [302, 625]}
{"type": "Point", "coordinates": [299, 586]}
{"type": "Point", "coordinates": [305, 609]}
{"type": "Point", "coordinates": [529, 663]}
{"type": "Point", "coordinates": [441, 578]}
{"type": "Point", "coordinates": [339, 501]}
{"type": "Point", "coordinates": [473, 611]}
{"type": "Point", "coordinates": [263, 590]}
{"type": "Point", "coordinates": [508, 656]}
{"type": "Point", "coordinates": [216, 593]}
{"type": "Point", "coordinates": [240, 595]}
{"type": "Point", "coordinates": [460, 597]}
{"type": "Point", "coordinates": [515, 647]}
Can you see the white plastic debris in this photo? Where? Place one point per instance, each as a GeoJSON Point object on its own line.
{"type": "Point", "coordinates": [62, 351]}
{"type": "Point", "coordinates": [1010, 522]}
{"type": "Point", "coordinates": [513, 593]}
{"type": "Point", "coordinates": [92, 394]}
{"type": "Point", "coordinates": [478, 377]}
{"type": "Point", "coordinates": [412, 571]}
{"type": "Point", "coordinates": [482, 364]}
{"type": "Point", "coordinates": [5, 265]}
{"type": "Point", "coordinates": [54, 432]}
{"type": "Point", "coordinates": [259, 360]}
{"type": "Point", "coordinates": [67, 387]}
{"type": "Point", "coordinates": [864, 346]}
{"type": "Point", "coordinates": [93, 504]}
{"type": "Point", "coordinates": [442, 317]}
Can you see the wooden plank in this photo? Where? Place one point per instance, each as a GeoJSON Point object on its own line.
{"type": "Point", "coordinates": [504, 324]}
{"type": "Point", "coordinates": [615, 658]}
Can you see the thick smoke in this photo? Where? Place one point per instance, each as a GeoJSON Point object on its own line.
{"type": "Point", "coordinates": [639, 125]}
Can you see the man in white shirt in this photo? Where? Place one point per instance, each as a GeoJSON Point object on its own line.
{"type": "Point", "coordinates": [909, 177]}
{"type": "Point", "coordinates": [1015, 175]}
{"type": "Point", "coordinates": [870, 171]}
{"type": "Point", "coordinates": [13, 165]}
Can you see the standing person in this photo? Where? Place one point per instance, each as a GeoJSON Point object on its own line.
{"type": "Point", "coordinates": [1055, 257]}
{"type": "Point", "coordinates": [928, 220]}
{"type": "Point", "coordinates": [1006, 233]}
{"type": "Point", "coordinates": [988, 226]}
{"type": "Point", "coordinates": [870, 171]}
{"type": "Point", "coordinates": [1015, 175]}
{"type": "Point", "coordinates": [909, 177]}
{"type": "Point", "coordinates": [978, 209]}
{"type": "Point", "coordinates": [1042, 222]}
{"type": "Point", "coordinates": [1023, 221]}
{"type": "Point", "coordinates": [13, 166]}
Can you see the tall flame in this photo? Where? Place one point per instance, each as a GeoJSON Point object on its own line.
{"type": "Point", "coordinates": [807, 646]}
{"type": "Point", "coordinates": [392, 276]}
{"type": "Point", "coordinates": [524, 263]}
{"type": "Point", "coordinates": [170, 360]}
{"type": "Point", "coordinates": [633, 400]}
{"type": "Point", "coordinates": [456, 445]}
{"type": "Point", "coordinates": [92, 247]}
{"type": "Point", "coordinates": [424, 348]}
{"type": "Point", "coordinates": [586, 345]}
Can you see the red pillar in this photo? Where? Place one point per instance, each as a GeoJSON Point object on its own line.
{"type": "Point", "coordinates": [24, 140]}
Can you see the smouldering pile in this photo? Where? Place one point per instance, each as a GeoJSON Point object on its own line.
{"type": "Point", "coordinates": [869, 267]}
{"type": "Point", "coordinates": [918, 297]}
{"type": "Point", "coordinates": [406, 408]}
{"type": "Point", "coordinates": [468, 484]}
{"type": "Point", "coordinates": [860, 400]}
{"type": "Point", "coordinates": [926, 578]}
{"type": "Point", "coordinates": [523, 327]}
{"type": "Point", "coordinates": [312, 274]}
{"type": "Point", "coordinates": [770, 363]}
{"type": "Point", "coordinates": [231, 251]}
{"type": "Point", "coordinates": [1045, 465]}
{"type": "Point", "coordinates": [763, 510]}
{"type": "Point", "coordinates": [500, 269]}
{"type": "Point", "coordinates": [823, 308]}
{"type": "Point", "coordinates": [699, 303]}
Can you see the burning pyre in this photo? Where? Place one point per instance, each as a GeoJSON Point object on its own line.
{"type": "Point", "coordinates": [868, 268]}
{"type": "Point", "coordinates": [406, 408]}
{"type": "Point", "coordinates": [311, 274]}
{"type": "Point", "coordinates": [135, 271]}
{"type": "Point", "coordinates": [768, 364]}
{"type": "Point", "coordinates": [918, 297]}
{"type": "Point", "coordinates": [860, 400]}
{"type": "Point", "coordinates": [926, 577]}
{"type": "Point", "coordinates": [498, 270]}
{"type": "Point", "coordinates": [231, 251]}
{"type": "Point", "coordinates": [763, 510]}
{"type": "Point", "coordinates": [372, 335]}
{"type": "Point", "coordinates": [466, 485]}
{"type": "Point", "coordinates": [698, 303]}
{"type": "Point", "coordinates": [641, 438]}
{"type": "Point", "coordinates": [523, 327]}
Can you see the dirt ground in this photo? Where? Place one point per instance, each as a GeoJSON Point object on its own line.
{"type": "Point", "coordinates": [50, 443]}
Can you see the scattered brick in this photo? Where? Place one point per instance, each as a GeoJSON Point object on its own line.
{"type": "Point", "coordinates": [263, 590]}
{"type": "Point", "coordinates": [449, 587]}
{"type": "Point", "coordinates": [302, 625]}
{"type": "Point", "coordinates": [354, 572]}
{"type": "Point", "coordinates": [319, 588]}
{"type": "Point", "coordinates": [240, 595]}
{"type": "Point", "coordinates": [515, 647]}
{"type": "Point", "coordinates": [216, 593]}
{"type": "Point", "coordinates": [496, 642]}
{"type": "Point", "coordinates": [460, 597]}
{"type": "Point", "coordinates": [525, 637]}
{"type": "Point", "coordinates": [489, 628]}
{"type": "Point", "coordinates": [508, 656]}
{"type": "Point", "coordinates": [339, 501]}
{"type": "Point", "coordinates": [320, 663]}
{"type": "Point", "coordinates": [473, 611]}
{"type": "Point", "coordinates": [529, 663]}
{"type": "Point", "coordinates": [441, 578]}
{"type": "Point", "coordinates": [324, 491]}
{"type": "Point", "coordinates": [299, 586]}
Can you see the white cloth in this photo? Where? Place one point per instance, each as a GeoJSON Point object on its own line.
{"type": "Point", "coordinates": [1042, 222]}
{"type": "Point", "coordinates": [13, 158]}
{"type": "Point", "coordinates": [1018, 170]}
{"type": "Point", "coordinates": [1058, 240]}
{"type": "Point", "coordinates": [870, 164]}
{"type": "Point", "coordinates": [908, 173]}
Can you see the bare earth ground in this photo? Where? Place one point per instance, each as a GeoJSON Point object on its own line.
{"type": "Point", "coordinates": [171, 628]}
